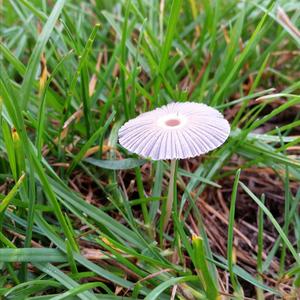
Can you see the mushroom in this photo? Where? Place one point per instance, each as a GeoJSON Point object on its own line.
{"type": "Point", "coordinates": [175, 131]}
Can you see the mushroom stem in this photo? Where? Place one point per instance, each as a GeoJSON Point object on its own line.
{"type": "Point", "coordinates": [170, 198]}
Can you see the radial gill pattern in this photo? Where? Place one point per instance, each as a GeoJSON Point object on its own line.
{"type": "Point", "coordinates": [175, 131]}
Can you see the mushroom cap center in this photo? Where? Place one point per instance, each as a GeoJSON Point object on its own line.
{"type": "Point", "coordinates": [172, 122]}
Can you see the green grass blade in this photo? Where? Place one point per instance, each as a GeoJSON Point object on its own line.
{"type": "Point", "coordinates": [171, 29]}
{"type": "Point", "coordinates": [33, 63]}
{"type": "Point", "coordinates": [124, 164]}
{"type": "Point", "coordinates": [32, 255]}
{"type": "Point", "coordinates": [5, 202]}
{"type": "Point", "coordinates": [274, 222]}
{"type": "Point", "coordinates": [230, 254]}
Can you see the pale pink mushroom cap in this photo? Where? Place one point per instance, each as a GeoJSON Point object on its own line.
{"type": "Point", "coordinates": [175, 131]}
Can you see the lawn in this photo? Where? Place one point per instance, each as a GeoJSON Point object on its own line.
{"type": "Point", "coordinates": [81, 217]}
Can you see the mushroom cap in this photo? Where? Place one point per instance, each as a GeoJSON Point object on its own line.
{"type": "Point", "coordinates": [177, 130]}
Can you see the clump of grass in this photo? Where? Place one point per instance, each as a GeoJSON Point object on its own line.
{"type": "Point", "coordinates": [71, 223]}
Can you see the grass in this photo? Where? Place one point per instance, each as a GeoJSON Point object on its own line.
{"type": "Point", "coordinates": [80, 217]}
